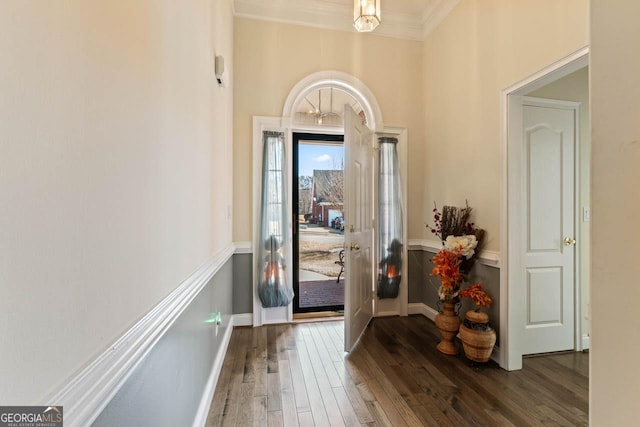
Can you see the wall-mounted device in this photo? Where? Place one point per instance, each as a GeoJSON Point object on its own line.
{"type": "Point", "coordinates": [220, 71]}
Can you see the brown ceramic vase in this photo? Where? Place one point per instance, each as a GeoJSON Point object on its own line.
{"type": "Point", "coordinates": [448, 323]}
{"type": "Point", "coordinates": [476, 342]}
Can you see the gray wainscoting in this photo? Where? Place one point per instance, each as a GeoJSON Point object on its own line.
{"type": "Point", "coordinates": [242, 283]}
{"type": "Point", "coordinates": [424, 289]}
{"type": "Point", "coordinates": [167, 387]}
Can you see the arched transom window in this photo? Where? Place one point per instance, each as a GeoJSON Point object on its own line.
{"type": "Point", "coordinates": [325, 107]}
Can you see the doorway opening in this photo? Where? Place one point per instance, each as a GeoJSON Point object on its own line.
{"type": "Point", "coordinates": [544, 284]}
{"type": "Point", "coordinates": [334, 103]}
{"type": "Point", "coordinates": [318, 222]}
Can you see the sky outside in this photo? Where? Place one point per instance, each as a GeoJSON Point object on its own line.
{"type": "Point", "coordinates": [313, 156]}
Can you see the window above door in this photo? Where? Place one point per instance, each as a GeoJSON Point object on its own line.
{"type": "Point", "coordinates": [325, 107]}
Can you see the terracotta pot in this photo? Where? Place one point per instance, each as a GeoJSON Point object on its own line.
{"type": "Point", "coordinates": [477, 342]}
{"type": "Point", "coordinates": [448, 323]}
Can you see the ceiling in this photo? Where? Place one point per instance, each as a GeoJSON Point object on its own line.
{"type": "Point", "coordinates": [406, 19]}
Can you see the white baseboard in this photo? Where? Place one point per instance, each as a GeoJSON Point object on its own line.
{"type": "Point", "coordinates": [387, 313]}
{"type": "Point", "coordinates": [88, 393]}
{"type": "Point", "coordinates": [421, 308]}
{"type": "Point", "coordinates": [207, 396]}
{"type": "Point", "coordinates": [244, 319]}
{"type": "Point", "coordinates": [585, 341]}
{"type": "Point", "coordinates": [496, 356]}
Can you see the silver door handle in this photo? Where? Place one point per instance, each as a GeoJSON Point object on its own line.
{"type": "Point", "coordinates": [355, 246]}
{"type": "Point", "coordinates": [568, 241]}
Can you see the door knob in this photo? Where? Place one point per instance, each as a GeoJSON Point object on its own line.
{"type": "Point", "coordinates": [568, 241]}
{"type": "Point", "coordinates": [355, 246]}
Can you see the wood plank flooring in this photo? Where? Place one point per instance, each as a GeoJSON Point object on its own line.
{"type": "Point", "coordinates": [298, 375]}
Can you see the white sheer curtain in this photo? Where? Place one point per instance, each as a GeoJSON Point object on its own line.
{"type": "Point", "coordinates": [272, 284]}
{"type": "Point", "coordinates": [390, 220]}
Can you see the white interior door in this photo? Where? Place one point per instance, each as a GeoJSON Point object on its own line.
{"type": "Point", "coordinates": [547, 226]}
{"type": "Point", "coordinates": [358, 304]}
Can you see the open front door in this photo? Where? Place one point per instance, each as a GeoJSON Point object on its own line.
{"type": "Point", "coordinates": [358, 307]}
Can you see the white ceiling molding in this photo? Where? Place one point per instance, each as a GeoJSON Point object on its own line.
{"type": "Point", "coordinates": [335, 15]}
{"type": "Point", "coordinates": [434, 15]}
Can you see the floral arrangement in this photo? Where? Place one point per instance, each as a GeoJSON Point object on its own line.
{"type": "Point", "coordinates": [461, 243]}
{"type": "Point", "coordinates": [477, 295]}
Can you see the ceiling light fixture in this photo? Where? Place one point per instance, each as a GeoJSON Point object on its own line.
{"type": "Point", "coordinates": [366, 15]}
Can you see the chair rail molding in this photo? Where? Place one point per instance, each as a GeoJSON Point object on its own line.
{"type": "Point", "coordinates": [88, 393]}
{"type": "Point", "coordinates": [243, 248]}
{"type": "Point", "coordinates": [488, 258]}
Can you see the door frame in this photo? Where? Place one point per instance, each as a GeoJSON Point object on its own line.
{"type": "Point", "coordinates": [286, 124]}
{"type": "Point", "coordinates": [295, 235]}
{"type": "Point", "coordinates": [395, 307]}
{"type": "Point", "coordinates": [510, 356]}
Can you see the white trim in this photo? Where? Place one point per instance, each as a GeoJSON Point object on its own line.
{"type": "Point", "coordinates": [85, 396]}
{"type": "Point", "coordinates": [585, 342]}
{"type": "Point", "coordinates": [389, 313]}
{"type": "Point", "coordinates": [488, 258]}
{"type": "Point", "coordinates": [336, 79]}
{"type": "Point", "coordinates": [334, 16]}
{"type": "Point", "coordinates": [435, 15]}
{"type": "Point", "coordinates": [496, 355]}
{"type": "Point", "coordinates": [244, 319]}
{"type": "Point", "coordinates": [284, 124]}
{"type": "Point", "coordinates": [424, 309]}
{"type": "Point", "coordinates": [556, 70]}
{"type": "Point", "coordinates": [510, 360]}
{"type": "Point", "coordinates": [207, 397]}
{"type": "Point", "coordinates": [243, 248]}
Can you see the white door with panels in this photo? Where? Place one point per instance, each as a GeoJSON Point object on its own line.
{"type": "Point", "coordinates": [547, 227]}
{"type": "Point", "coordinates": [358, 304]}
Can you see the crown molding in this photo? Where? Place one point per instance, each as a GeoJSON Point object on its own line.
{"type": "Point", "coordinates": [434, 15]}
{"type": "Point", "coordinates": [339, 17]}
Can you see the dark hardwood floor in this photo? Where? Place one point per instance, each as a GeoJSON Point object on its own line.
{"type": "Point", "coordinates": [298, 375]}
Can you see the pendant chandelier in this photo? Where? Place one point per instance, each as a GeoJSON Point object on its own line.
{"type": "Point", "coordinates": [366, 15]}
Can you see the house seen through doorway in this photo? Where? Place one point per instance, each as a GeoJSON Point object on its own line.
{"type": "Point", "coordinates": [319, 279]}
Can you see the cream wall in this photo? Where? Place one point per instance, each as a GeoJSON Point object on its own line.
{"type": "Point", "coordinates": [114, 142]}
{"type": "Point", "coordinates": [481, 48]}
{"type": "Point", "coordinates": [615, 134]}
{"type": "Point", "coordinates": [270, 58]}
{"type": "Point", "coordinates": [575, 87]}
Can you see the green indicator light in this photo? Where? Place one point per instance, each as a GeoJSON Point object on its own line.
{"type": "Point", "coordinates": [215, 317]}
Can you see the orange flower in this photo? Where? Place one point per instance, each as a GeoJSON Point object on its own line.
{"type": "Point", "coordinates": [479, 297]}
{"type": "Point", "coordinates": [447, 268]}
